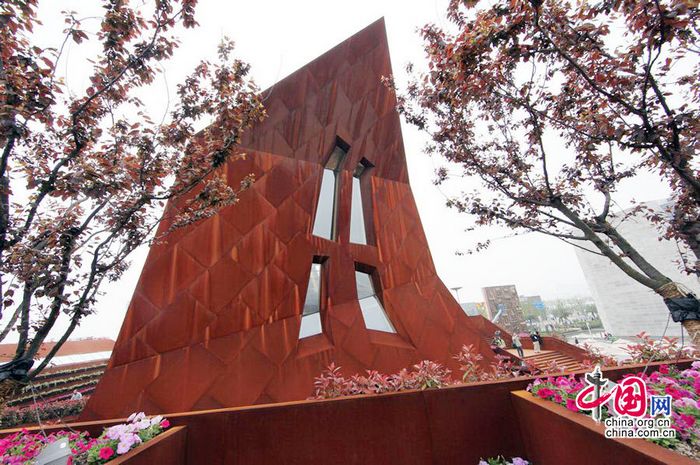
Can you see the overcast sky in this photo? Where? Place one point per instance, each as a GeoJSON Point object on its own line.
{"type": "Point", "coordinates": [276, 38]}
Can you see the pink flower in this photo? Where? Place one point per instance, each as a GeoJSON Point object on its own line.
{"type": "Point", "coordinates": [557, 398]}
{"type": "Point", "coordinates": [684, 402]}
{"type": "Point", "coordinates": [663, 369]}
{"type": "Point", "coordinates": [106, 453]}
{"type": "Point", "coordinates": [671, 391]}
{"type": "Point", "coordinates": [571, 405]}
{"type": "Point", "coordinates": [696, 385]}
{"type": "Point", "coordinates": [687, 420]}
{"type": "Point", "coordinates": [562, 382]}
{"type": "Point", "coordinates": [545, 393]}
{"type": "Point", "coordinates": [164, 424]}
{"type": "Point", "coordinates": [677, 393]}
{"type": "Point", "coordinates": [667, 380]}
{"type": "Point", "coordinates": [126, 442]}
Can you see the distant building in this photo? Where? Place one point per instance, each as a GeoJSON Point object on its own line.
{"type": "Point", "coordinates": [474, 308]}
{"type": "Point", "coordinates": [533, 302]}
{"type": "Point", "coordinates": [627, 308]}
{"type": "Point", "coordinates": [533, 309]}
{"type": "Point", "coordinates": [504, 300]}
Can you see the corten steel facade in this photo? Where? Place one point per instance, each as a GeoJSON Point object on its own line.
{"type": "Point", "coordinates": [216, 318]}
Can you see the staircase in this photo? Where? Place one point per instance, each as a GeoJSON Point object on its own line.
{"type": "Point", "coordinates": [558, 350]}
{"type": "Point", "coordinates": [543, 359]}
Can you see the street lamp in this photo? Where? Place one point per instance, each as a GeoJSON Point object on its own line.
{"type": "Point", "coordinates": [456, 289]}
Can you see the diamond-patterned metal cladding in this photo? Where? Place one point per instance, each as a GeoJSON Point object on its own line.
{"type": "Point", "coordinates": [214, 320]}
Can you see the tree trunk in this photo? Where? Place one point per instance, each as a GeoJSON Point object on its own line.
{"type": "Point", "coordinates": [8, 389]}
{"type": "Point", "coordinates": [690, 233]}
{"type": "Point", "coordinates": [13, 376]}
{"type": "Point", "coordinates": [692, 326]}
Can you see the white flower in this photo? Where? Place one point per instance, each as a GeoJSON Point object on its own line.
{"type": "Point", "coordinates": [113, 432]}
{"type": "Point", "coordinates": [134, 417]}
{"type": "Point", "coordinates": [142, 424]}
{"type": "Point", "coordinates": [127, 442]}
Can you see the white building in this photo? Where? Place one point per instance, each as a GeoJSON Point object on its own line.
{"type": "Point", "coordinates": [626, 307]}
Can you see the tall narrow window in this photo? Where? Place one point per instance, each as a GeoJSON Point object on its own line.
{"type": "Point", "coordinates": [358, 232]}
{"type": "Point", "coordinates": [372, 311]}
{"type": "Point", "coordinates": [327, 207]}
{"type": "Point", "coordinates": [311, 316]}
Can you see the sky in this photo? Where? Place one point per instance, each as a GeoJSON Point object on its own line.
{"type": "Point", "coordinates": [277, 37]}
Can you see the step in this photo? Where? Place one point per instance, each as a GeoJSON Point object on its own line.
{"type": "Point", "coordinates": [551, 357]}
{"type": "Point", "coordinates": [565, 362]}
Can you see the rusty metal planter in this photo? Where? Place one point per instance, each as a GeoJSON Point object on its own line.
{"type": "Point", "coordinates": [554, 435]}
{"type": "Point", "coordinates": [167, 448]}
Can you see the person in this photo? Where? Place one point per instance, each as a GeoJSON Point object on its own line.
{"type": "Point", "coordinates": [518, 345]}
{"type": "Point", "coordinates": [76, 395]}
{"type": "Point", "coordinates": [576, 340]}
{"type": "Point", "coordinates": [535, 341]}
{"type": "Point", "coordinates": [498, 340]}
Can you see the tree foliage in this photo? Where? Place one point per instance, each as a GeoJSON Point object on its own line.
{"type": "Point", "coordinates": [84, 175]}
{"type": "Point", "coordinates": [552, 105]}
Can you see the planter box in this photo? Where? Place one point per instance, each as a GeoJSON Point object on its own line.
{"type": "Point", "coordinates": [167, 448]}
{"type": "Point", "coordinates": [554, 435]}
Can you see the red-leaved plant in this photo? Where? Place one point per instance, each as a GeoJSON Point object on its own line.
{"type": "Point", "coordinates": [552, 368]}
{"type": "Point", "coordinates": [424, 375]}
{"type": "Point", "coordinates": [594, 357]}
{"type": "Point", "coordinates": [469, 364]}
{"type": "Point", "coordinates": [505, 369]}
{"type": "Point", "coordinates": [665, 349]}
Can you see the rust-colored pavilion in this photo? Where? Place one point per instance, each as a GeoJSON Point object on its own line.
{"type": "Point", "coordinates": [324, 259]}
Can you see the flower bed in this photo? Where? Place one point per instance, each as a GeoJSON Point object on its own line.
{"type": "Point", "coordinates": [643, 351]}
{"type": "Point", "coordinates": [23, 398]}
{"type": "Point", "coordinates": [57, 373]}
{"type": "Point", "coordinates": [50, 384]}
{"type": "Point", "coordinates": [15, 416]}
{"type": "Point", "coordinates": [120, 439]}
{"type": "Point", "coordinates": [424, 375]}
{"type": "Point", "coordinates": [682, 386]}
{"type": "Point", "coordinates": [430, 374]}
{"type": "Point", "coordinates": [115, 441]}
{"type": "Point", "coordinates": [23, 447]}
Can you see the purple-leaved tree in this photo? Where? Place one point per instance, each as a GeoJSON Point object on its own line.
{"type": "Point", "coordinates": [551, 104]}
{"type": "Point", "coordinates": [83, 176]}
